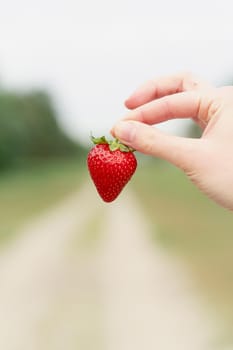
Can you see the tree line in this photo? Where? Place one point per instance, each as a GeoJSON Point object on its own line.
{"type": "Point", "coordinates": [29, 129]}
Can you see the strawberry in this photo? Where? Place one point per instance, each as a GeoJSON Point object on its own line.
{"type": "Point", "coordinates": [111, 165]}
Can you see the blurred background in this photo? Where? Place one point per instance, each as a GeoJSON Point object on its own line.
{"type": "Point", "coordinates": [66, 68]}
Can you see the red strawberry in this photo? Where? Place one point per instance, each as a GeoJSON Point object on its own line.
{"type": "Point", "coordinates": [111, 165]}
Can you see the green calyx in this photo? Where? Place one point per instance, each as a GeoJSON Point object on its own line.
{"type": "Point", "coordinates": [114, 144]}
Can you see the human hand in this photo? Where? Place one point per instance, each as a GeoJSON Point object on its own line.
{"type": "Point", "coordinates": [208, 161]}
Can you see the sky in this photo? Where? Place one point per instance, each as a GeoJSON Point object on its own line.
{"type": "Point", "coordinates": [90, 55]}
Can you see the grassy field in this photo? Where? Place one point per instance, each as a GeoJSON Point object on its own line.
{"type": "Point", "coordinates": [28, 191]}
{"type": "Point", "coordinates": [185, 221]}
{"type": "Point", "coordinates": [191, 226]}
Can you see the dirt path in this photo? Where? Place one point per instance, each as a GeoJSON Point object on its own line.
{"type": "Point", "coordinates": [39, 278]}
{"type": "Point", "coordinates": [123, 294]}
{"type": "Point", "coordinates": [149, 302]}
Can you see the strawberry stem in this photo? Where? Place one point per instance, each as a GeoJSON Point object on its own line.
{"type": "Point", "coordinates": [99, 140]}
{"type": "Point", "coordinates": [114, 144]}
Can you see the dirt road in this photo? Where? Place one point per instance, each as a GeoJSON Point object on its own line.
{"type": "Point", "coordinates": [120, 293]}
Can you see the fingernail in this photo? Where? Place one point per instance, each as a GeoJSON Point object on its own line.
{"type": "Point", "coordinates": [125, 131]}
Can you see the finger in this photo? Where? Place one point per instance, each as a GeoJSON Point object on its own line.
{"type": "Point", "coordinates": [160, 87]}
{"type": "Point", "coordinates": [182, 105]}
{"type": "Point", "coordinates": [180, 151]}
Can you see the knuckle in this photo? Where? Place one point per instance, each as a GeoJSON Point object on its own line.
{"type": "Point", "coordinates": [167, 107]}
{"type": "Point", "coordinates": [189, 81]}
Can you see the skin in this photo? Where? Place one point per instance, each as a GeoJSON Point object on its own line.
{"type": "Point", "coordinates": [207, 161]}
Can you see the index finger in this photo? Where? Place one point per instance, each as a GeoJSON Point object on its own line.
{"type": "Point", "coordinates": [182, 105]}
{"type": "Point", "coordinates": [164, 86]}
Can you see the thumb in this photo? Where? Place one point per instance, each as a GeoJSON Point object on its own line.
{"type": "Point", "coordinates": [182, 152]}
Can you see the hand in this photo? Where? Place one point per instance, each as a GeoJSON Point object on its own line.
{"type": "Point", "coordinates": [208, 161]}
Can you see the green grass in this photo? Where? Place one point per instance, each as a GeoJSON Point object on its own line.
{"type": "Point", "coordinates": [193, 227]}
{"type": "Point", "coordinates": [28, 191]}
{"type": "Point", "coordinates": [91, 234]}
